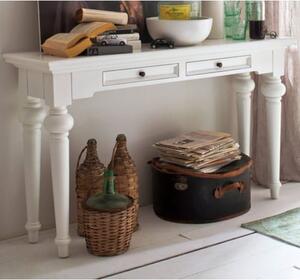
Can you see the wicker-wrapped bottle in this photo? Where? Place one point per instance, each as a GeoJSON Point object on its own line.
{"type": "Point", "coordinates": [89, 179]}
{"type": "Point", "coordinates": [126, 179]}
{"type": "Point", "coordinates": [109, 220]}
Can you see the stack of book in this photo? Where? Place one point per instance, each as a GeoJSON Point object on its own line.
{"type": "Point", "coordinates": [201, 151]}
{"type": "Point", "coordinates": [98, 33]}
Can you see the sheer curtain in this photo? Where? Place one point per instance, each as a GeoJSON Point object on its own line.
{"type": "Point", "coordinates": [283, 17]}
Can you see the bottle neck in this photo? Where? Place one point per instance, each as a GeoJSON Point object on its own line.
{"type": "Point", "coordinates": [122, 149]}
{"type": "Point", "coordinates": [256, 10]}
{"type": "Point", "coordinates": [91, 153]}
{"type": "Point", "coordinates": [109, 186]}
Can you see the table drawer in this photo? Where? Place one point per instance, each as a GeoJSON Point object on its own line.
{"type": "Point", "coordinates": [217, 65]}
{"type": "Point", "coordinates": [141, 74]}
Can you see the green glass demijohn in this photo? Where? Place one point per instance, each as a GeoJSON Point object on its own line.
{"type": "Point", "coordinates": [109, 200]}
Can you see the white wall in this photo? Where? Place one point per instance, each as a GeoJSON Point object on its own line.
{"type": "Point", "coordinates": [18, 32]}
{"type": "Point", "coordinates": [145, 115]}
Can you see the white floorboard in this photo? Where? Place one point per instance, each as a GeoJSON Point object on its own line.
{"type": "Point", "coordinates": [156, 240]}
{"type": "Point", "coordinates": [253, 256]}
{"type": "Point", "coordinates": [271, 263]}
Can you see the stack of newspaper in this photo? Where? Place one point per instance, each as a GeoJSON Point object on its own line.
{"type": "Point", "coordinates": [202, 151]}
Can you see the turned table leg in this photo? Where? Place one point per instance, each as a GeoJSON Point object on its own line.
{"type": "Point", "coordinates": [273, 90]}
{"type": "Point", "coordinates": [243, 86]}
{"type": "Point", "coordinates": [59, 123]}
{"type": "Point", "coordinates": [32, 115]}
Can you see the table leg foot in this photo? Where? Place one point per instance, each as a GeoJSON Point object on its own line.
{"type": "Point", "coordinates": [33, 232]}
{"type": "Point", "coordinates": [63, 247]}
{"type": "Point", "coordinates": [275, 190]}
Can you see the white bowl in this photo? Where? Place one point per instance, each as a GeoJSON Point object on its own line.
{"type": "Point", "coordinates": [182, 32]}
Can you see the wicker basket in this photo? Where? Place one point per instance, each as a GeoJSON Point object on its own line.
{"type": "Point", "coordinates": [109, 233]}
{"type": "Point", "coordinates": [126, 179]}
{"type": "Point", "coordinates": [89, 179]}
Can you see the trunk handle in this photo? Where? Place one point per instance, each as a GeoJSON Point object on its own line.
{"type": "Point", "coordinates": [219, 192]}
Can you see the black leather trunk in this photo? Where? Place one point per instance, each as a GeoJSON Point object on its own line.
{"type": "Point", "coordinates": [185, 196]}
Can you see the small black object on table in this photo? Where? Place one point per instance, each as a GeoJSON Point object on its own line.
{"type": "Point", "coordinates": [159, 43]}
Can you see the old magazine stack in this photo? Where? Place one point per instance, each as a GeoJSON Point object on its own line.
{"type": "Point", "coordinates": [200, 177]}
{"type": "Point", "coordinates": [201, 151]}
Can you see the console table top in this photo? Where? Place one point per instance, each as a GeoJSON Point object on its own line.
{"type": "Point", "coordinates": [46, 63]}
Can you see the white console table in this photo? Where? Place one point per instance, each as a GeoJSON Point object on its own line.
{"type": "Point", "coordinates": [56, 82]}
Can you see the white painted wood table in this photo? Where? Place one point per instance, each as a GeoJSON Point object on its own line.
{"type": "Point", "coordinates": [56, 82]}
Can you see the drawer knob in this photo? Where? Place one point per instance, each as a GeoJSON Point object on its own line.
{"type": "Point", "coordinates": [219, 64]}
{"type": "Point", "coordinates": [142, 74]}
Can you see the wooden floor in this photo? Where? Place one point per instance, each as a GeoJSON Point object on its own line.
{"type": "Point", "coordinates": [162, 249]}
{"type": "Point", "coordinates": [252, 256]}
